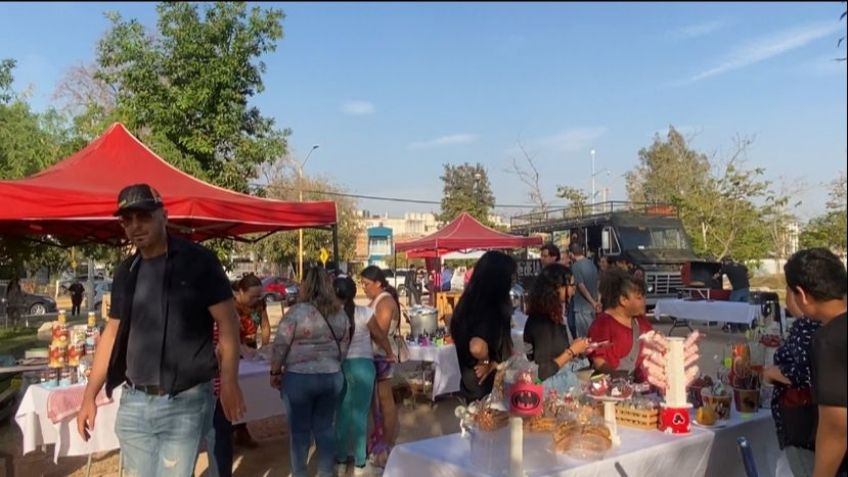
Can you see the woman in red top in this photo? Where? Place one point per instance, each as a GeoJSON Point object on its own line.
{"type": "Point", "coordinates": [621, 323]}
{"type": "Point", "coordinates": [253, 316]}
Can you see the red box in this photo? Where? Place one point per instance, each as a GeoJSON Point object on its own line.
{"type": "Point", "coordinates": [675, 419]}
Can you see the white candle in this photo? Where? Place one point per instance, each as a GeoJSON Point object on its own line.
{"type": "Point", "coordinates": [675, 375]}
{"type": "Point", "coordinates": [516, 447]}
{"type": "Point", "coordinates": [609, 417]}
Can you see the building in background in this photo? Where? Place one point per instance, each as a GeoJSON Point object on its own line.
{"type": "Point", "coordinates": [381, 246]}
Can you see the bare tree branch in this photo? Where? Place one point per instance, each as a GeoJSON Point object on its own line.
{"type": "Point", "coordinates": [530, 177]}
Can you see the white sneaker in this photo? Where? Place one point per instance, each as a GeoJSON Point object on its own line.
{"type": "Point", "coordinates": [367, 470]}
{"type": "Point", "coordinates": [341, 470]}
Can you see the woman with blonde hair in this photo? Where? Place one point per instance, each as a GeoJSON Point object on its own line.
{"type": "Point", "coordinates": [310, 345]}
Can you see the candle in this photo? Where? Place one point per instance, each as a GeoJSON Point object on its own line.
{"type": "Point", "coordinates": [675, 374]}
{"type": "Point", "coordinates": [609, 417]}
{"type": "Point", "coordinates": [516, 447]}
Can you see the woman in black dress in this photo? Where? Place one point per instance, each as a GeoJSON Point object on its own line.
{"type": "Point", "coordinates": [481, 323]}
{"type": "Point", "coordinates": [548, 340]}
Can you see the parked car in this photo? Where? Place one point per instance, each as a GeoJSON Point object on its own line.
{"type": "Point", "coordinates": [276, 288]}
{"type": "Point", "coordinates": [397, 280]}
{"type": "Point", "coordinates": [32, 304]}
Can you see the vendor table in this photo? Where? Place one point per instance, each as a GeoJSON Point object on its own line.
{"type": "Point", "coordinates": [707, 311]}
{"type": "Point", "coordinates": [447, 377]}
{"type": "Point", "coordinates": [38, 429]}
{"type": "Point", "coordinates": [642, 453]}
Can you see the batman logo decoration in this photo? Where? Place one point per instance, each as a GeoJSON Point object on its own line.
{"type": "Point", "coordinates": [526, 399]}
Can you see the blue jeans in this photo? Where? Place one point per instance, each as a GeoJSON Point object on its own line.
{"type": "Point", "coordinates": [310, 401]}
{"type": "Point", "coordinates": [354, 406]}
{"type": "Point", "coordinates": [160, 435]}
{"type": "Point", "coordinates": [570, 318]}
{"type": "Point", "coordinates": [583, 319]}
{"type": "Point", "coordinates": [742, 294]}
{"type": "Point", "coordinates": [219, 445]}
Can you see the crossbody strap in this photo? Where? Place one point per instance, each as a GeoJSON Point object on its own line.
{"type": "Point", "coordinates": [338, 344]}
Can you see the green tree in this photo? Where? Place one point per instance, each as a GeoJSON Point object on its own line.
{"type": "Point", "coordinates": [722, 206]}
{"type": "Point", "coordinates": [466, 189]}
{"type": "Point", "coordinates": [830, 229]}
{"type": "Point", "coordinates": [185, 90]}
{"type": "Point", "coordinates": [283, 183]}
{"type": "Point", "coordinates": [667, 170]}
{"type": "Point", "coordinates": [577, 199]}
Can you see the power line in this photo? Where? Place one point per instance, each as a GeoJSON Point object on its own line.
{"type": "Point", "coordinates": [388, 199]}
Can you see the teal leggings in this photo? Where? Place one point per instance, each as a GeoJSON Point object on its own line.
{"type": "Point", "coordinates": [354, 406]}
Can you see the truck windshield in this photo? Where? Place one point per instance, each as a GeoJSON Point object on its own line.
{"type": "Point", "coordinates": [652, 238]}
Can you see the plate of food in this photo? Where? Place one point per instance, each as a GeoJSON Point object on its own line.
{"type": "Point", "coordinates": [716, 425]}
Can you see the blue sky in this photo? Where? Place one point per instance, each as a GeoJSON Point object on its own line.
{"type": "Point", "coordinates": [393, 91]}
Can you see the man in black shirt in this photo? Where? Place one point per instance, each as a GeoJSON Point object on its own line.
{"type": "Point", "coordinates": [158, 342]}
{"type": "Point", "coordinates": [817, 280]}
{"type": "Point", "coordinates": [737, 274]}
{"type": "Point", "coordinates": [77, 291]}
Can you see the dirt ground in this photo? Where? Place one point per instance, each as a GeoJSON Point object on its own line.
{"type": "Point", "coordinates": [419, 419]}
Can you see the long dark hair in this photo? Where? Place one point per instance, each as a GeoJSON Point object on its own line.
{"type": "Point", "coordinates": [486, 297]}
{"type": "Point", "coordinates": [345, 289]}
{"type": "Point", "coordinates": [375, 274]}
{"type": "Point", "coordinates": [544, 294]}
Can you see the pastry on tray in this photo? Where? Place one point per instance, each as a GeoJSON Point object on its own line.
{"type": "Point", "coordinates": [540, 424]}
{"type": "Point", "coordinates": [490, 419]}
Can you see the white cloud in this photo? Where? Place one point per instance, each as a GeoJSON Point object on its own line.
{"type": "Point", "coordinates": [358, 108]}
{"type": "Point", "coordinates": [698, 29]}
{"type": "Point", "coordinates": [763, 48]}
{"type": "Point", "coordinates": [449, 140]}
{"type": "Point", "coordinates": [573, 140]}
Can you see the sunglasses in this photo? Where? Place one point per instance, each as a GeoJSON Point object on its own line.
{"type": "Point", "coordinates": [127, 220]}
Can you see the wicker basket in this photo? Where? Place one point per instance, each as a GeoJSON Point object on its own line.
{"type": "Point", "coordinates": [639, 418]}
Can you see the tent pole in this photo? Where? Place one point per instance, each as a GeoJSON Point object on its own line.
{"type": "Point", "coordinates": [336, 247]}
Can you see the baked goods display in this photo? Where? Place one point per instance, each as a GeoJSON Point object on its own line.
{"type": "Point", "coordinates": [602, 387]}
{"type": "Point", "coordinates": [583, 441]}
{"type": "Point", "coordinates": [638, 413]}
{"type": "Point", "coordinates": [490, 419]}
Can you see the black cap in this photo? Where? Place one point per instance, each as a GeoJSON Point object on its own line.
{"type": "Point", "coordinates": [138, 197]}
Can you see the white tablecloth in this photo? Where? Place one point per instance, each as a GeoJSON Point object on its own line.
{"type": "Point", "coordinates": [447, 376]}
{"type": "Point", "coordinates": [260, 398]}
{"type": "Point", "coordinates": [642, 453]}
{"type": "Point", "coordinates": [38, 429]}
{"type": "Point", "coordinates": [703, 310]}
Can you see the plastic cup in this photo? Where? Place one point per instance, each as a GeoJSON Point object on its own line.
{"type": "Point", "coordinates": [721, 402]}
{"type": "Point", "coordinates": [747, 401]}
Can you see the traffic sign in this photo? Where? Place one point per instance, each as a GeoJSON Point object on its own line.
{"type": "Point", "coordinates": [324, 255]}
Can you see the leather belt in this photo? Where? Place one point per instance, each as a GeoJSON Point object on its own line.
{"type": "Point", "coordinates": [150, 389]}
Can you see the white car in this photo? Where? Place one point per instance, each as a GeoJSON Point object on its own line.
{"type": "Point", "coordinates": [397, 280]}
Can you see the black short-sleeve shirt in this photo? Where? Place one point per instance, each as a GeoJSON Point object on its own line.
{"type": "Point", "coordinates": [498, 339]}
{"type": "Point", "coordinates": [193, 281]}
{"type": "Point", "coordinates": [548, 340]}
{"type": "Point", "coordinates": [830, 366]}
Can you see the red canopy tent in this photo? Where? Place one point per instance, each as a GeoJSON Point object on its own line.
{"type": "Point", "coordinates": [76, 198]}
{"type": "Point", "coordinates": [463, 233]}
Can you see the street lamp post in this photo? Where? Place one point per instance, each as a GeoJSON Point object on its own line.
{"type": "Point", "coordinates": [300, 199]}
{"type": "Point", "coordinates": [592, 152]}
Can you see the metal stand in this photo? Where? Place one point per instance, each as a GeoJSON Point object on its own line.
{"type": "Point", "coordinates": [679, 323]}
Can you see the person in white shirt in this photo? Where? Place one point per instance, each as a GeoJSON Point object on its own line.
{"type": "Point", "coordinates": [359, 374]}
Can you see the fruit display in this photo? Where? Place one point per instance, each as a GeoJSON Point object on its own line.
{"type": "Point", "coordinates": [706, 416]}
